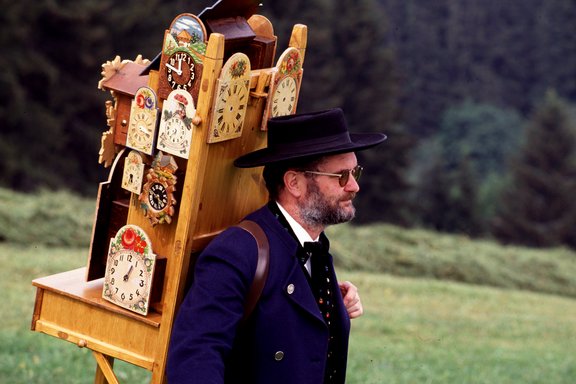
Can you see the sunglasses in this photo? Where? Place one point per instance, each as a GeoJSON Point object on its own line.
{"type": "Point", "coordinates": [343, 177]}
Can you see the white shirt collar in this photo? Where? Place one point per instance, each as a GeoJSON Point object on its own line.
{"type": "Point", "coordinates": [299, 231]}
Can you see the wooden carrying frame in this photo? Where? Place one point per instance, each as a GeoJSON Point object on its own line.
{"type": "Point", "coordinates": [214, 195]}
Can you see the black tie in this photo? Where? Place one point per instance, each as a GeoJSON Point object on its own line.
{"type": "Point", "coordinates": [323, 289]}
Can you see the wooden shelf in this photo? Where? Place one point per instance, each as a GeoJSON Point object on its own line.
{"type": "Point", "coordinates": [72, 284]}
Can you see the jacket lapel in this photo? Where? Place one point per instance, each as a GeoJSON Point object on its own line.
{"type": "Point", "coordinates": [296, 286]}
{"type": "Point", "coordinates": [297, 289]}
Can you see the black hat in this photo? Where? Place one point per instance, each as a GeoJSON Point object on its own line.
{"type": "Point", "coordinates": [307, 135]}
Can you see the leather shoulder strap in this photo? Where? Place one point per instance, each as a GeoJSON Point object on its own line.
{"type": "Point", "coordinates": [261, 268]}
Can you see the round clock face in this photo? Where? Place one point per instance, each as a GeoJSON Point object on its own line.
{"type": "Point", "coordinates": [157, 197]}
{"type": "Point", "coordinates": [284, 98]}
{"type": "Point", "coordinates": [176, 131]}
{"type": "Point", "coordinates": [141, 129]}
{"type": "Point", "coordinates": [231, 108]}
{"type": "Point", "coordinates": [128, 277]}
{"type": "Point", "coordinates": [180, 71]}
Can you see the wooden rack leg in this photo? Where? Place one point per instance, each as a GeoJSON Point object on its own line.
{"type": "Point", "coordinates": [104, 372]}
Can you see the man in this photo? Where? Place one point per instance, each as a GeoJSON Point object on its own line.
{"type": "Point", "coordinates": [298, 332]}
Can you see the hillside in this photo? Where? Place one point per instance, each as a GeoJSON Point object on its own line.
{"type": "Point", "coordinates": [65, 220]}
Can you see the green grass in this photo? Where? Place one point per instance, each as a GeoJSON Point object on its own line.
{"type": "Point", "coordinates": [427, 331]}
{"type": "Point", "coordinates": [421, 253]}
{"type": "Point", "coordinates": [413, 330]}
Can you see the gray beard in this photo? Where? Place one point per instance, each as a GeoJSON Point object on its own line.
{"type": "Point", "coordinates": [318, 211]}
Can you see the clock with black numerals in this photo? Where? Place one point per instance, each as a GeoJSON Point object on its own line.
{"type": "Point", "coordinates": [175, 132]}
{"type": "Point", "coordinates": [129, 270]}
{"type": "Point", "coordinates": [284, 86]}
{"type": "Point", "coordinates": [231, 99]}
{"type": "Point", "coordinates": [143, 120]}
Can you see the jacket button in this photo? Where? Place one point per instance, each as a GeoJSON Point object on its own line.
{"type": "Point", "coordinates": [278, 355]}
{"type": "Point", "coordinates": [290, 289]}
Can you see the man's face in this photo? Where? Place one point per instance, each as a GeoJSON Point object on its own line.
{"type": "Point", "coordinates": [326, 202]}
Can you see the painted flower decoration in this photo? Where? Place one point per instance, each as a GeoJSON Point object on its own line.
{"type": "Point", "coordinates": [292, 63]}
{"type": "Point", "coordinates": [139, 245]}
{"type": "Point", "coordinates": [181, 99]}
{"type": "Point", "coordinates": [131, 240]}
{"type": "Point", "coordinates": [128, 238]}
{"type": "Point", "coordinates": [238, 68]}
{"type": "Point", "coordinates": [145, 100]}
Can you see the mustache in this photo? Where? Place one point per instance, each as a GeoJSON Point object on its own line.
{"type": "Point", "coordinates": [349, 196]}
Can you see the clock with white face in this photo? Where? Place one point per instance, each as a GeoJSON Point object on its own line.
{"type": "Point", "coordinates": [231, 99]}
{"type": "Point", "coordinates": [143, 119]}
{"type": "Point", "coordinates": [129, 270]}
{"type": "Point", "coordinates": [133, 172]}
{"type": "Point", "coordinates": [284, 86]}
{"type": "Point", "coordinates": [175, 132]}
{"type": "Point", "coordinates": [284, 97]}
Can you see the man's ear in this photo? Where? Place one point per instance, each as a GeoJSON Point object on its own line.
{"type": "Point", "coordinates": [294, 183]}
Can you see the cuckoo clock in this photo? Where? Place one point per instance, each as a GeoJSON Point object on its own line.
{"type": "Point", "coordinates": [182, 54]}
{"type": "Point", "coordinates": [122, 78]}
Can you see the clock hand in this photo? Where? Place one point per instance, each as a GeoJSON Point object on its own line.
{"type": "Point", "coordinates": [144, 130]}
{"type": "Point", "coordinates": [177, 70]}
{"type": "Point", "coordinates": [127, 275]}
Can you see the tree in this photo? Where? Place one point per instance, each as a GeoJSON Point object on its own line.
{"type": "Point", "coordinates": [348, 65]}
{"type": "Point", "coordinates": [505, 53]}
{"type": "Point", "coordinates": [538, 207]}
{"type": "Point", "coordinates": [471, 148]}
{"type": "Point", "coordinates": [52, 112]}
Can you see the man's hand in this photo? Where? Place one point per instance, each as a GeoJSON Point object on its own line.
{"type": "Point", "coordinates": [351, 299]}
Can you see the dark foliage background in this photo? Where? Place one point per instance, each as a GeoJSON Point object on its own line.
{"type": "Point", "coordinates": [453, 84]}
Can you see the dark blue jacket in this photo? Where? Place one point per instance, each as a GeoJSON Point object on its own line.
{"type": "Point", "coordinates": [284, 341]}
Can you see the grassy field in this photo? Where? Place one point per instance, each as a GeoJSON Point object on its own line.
{"type": "Point", "coordinates": [413, 331]}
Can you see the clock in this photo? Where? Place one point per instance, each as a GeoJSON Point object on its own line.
{"type": "Point", "coordinates": [284, 86]}
{"type": "Point", "coordinates": [129, 270]}
{"type": "Point", "coordinates": [284, 97]}
{"type": "Point", "coordinates": [143, 118]}
{"type": "Point", "coordinates": [133, 172]}
{"type": "Point", "coordinates": [231, 99]}
{"type": "Point", "coordinates": [157, 196]}
{"type": "Point", "coordinates": [180, 70]}
{"type": "Point", "coordinates": [182, 54]}
{"type": "Point", "coordinates": [175, 132]}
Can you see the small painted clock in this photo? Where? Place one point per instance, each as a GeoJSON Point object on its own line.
{"type": "Point", "coordinates": [231, 99]}
{"type": "Point", "coordinates": [182, 53]}
{"type": "Point", "coordinates": [129, 270]}
{"type": "Point", "coordinates": [284, 86]}
{"type": "Point", "coordinates": [157, 197]}
{"type": "Point", "coordinates": [175, 132]}
{"type": "Point", "coordinates": [133, 172]}
{"type": "Point", "coordinates": [143, 119]}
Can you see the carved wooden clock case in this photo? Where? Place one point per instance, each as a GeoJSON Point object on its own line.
{"type": "Point", "coordinates": [211, 195]}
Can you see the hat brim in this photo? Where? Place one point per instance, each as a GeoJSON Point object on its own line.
{"type": "Point", "coordinates": [358, 142]}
